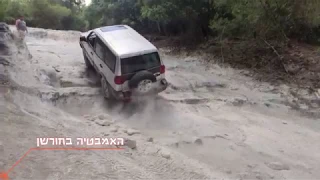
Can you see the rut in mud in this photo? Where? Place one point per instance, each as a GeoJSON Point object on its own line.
{"type": "Point", "coordinates": [211, 122]}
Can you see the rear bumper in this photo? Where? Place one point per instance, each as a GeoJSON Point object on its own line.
{"type": "Point", "coordinates": [158, 87]}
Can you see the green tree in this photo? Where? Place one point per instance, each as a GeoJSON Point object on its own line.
{"type": "Point", "coordinates": [3, 7]}
{"type": "Point", "coordinates": [46, 15]}
{"type": "Point", "coordinates": [161, 13]}
{"type": "Point", "coordinates": [15, 9]}
{"type": "Point", "coordinates": [110, 12]}
{"type": "Point", "coordinates": [268, 19]}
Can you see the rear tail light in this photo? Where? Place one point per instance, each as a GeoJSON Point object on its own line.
{"type": "Point", "coordinates": [162, 69]}
{"type": "Point", "coordinates": [118, 80]}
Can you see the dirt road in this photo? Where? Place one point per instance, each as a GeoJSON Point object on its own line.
{"type": "Point", "coordinates": [212, 122]}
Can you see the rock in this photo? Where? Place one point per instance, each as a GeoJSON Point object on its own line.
{"type": "Point", "coordinates": [176, 133]}
{"type": "Point", "coordinates": [118, 126]}
{"type": "Point", "coordinates": [267, 104]}
{"type": "Point", "coordinates": [314, 105]}
{"type": "Point", "coordinates": [198, 141]}
{"type": "Point", "coordinates": [131, 132]}
{"type": "Point", "coordinates": [104, 116]}
{"type": "Point", "coordinates": [258, 175]}
{"type": "Point", "coordinates": [303, 107]}
{"type": "Point", "coordinates": [92, 119]}
{"type": "Point", "coordinates": [238, 102]}
{"type": "Point", "coordinates": [261, 175]}
{"type": "Point", "coordinates": [87, 117]}
{"type": "Point", "coordinates": [293, 69]}
{"type": "Point", "coordinates": [229, 172]}
{"type": "Point", "coordinates": [234, 88]}
{"type": "Point", "coordinates": [56, 69]}
{"type": "Point", "coordinates": [245, 73]}
{"type": "Point", "coordinates": [130, 143]}
{"type": "Point", "coordinates": [4, 61]}
{"type": "Point", "coordinates": [165, 154]}
{"type": "Point", "coordinates": [249, 166]}
{"type": "Point", "coordinates": [151, 150]}
{"type": "Point", "coordinates": [283, 122]}
{"type": "Point", "coordinates": [105, 134]}
{"type": "Point", "coordinates": [243, 175]}
{"type": "Point", "coordinates": [278, 166]}
{"type": "Point", "coordinates": [114, 130]}
{"type": "Point", "coordinates": [104, 122]}
{"type": "Point", "coordinates": [150, 139]}
{"type": "Point", "coordinates": [186, 142]}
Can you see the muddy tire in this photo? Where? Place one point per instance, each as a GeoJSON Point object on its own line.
{"type": "Point", "coordinates": [142, 81]}
{"type": "Point", "coordinates": [105, 88]}
{"type": "Point", "coordinates": [86, 60]}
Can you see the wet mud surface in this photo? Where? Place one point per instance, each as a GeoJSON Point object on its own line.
{"type": "Point", "coordinates": [211, 123]}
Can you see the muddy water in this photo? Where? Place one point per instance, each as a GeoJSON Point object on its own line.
{"type": "Point", "coordinates": [213, 121]}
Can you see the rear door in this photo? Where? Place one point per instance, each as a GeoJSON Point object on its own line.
{"type": "Point", "coordinates": [131, 65]}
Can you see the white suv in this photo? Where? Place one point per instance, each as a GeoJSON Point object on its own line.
{"type": "Point", "coordinates": [129, 65]}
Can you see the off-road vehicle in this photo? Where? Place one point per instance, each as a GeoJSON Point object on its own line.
{"type": "Point", "coordinates": [129, 65]}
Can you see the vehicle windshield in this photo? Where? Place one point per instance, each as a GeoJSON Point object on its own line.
{"type": "Point", "coordinates": [138, 63]}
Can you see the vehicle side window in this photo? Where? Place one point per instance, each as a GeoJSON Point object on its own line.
{"type": "Point", "coordinates": [105, 54]}
{"type": "Point", "coordinates": [110, 59]}
{"type": "Point", "coordinates": [99, 49]}
{"type": "Point", "coordinates": [92, 39]}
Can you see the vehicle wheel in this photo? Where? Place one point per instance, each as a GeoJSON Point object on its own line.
{"type": "Point", "coordinates": [142, 82]}
{"type": "Point", "coordinates": [86, 60]}
{"type": "Point", "coordinates": [105, 88]}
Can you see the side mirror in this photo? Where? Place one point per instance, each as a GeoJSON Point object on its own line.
{"type": "Point", "coordinates": [82, 38]}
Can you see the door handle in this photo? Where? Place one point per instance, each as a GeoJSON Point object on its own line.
{"type": "Point", "coordinates": [101, 65]}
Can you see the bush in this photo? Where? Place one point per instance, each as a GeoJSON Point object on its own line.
{"type": "Point", "coordinates": [3, 7]}
{"type": "Point", "coordinates": [9, 20]}
{"type": "Point", "coordinates": [272, 19]}
{"type": "Point", "coordinates": [46, 15]}
{"type": "Point", "coordinates": [16, 9]}
{"type": "Point", "coordinates": [78, 23]}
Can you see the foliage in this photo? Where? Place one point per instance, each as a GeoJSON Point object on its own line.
{"type": "Point", "coordinates": [110, 12]}
{"type": "Point", "coordinates": [3, 7]}
{"type": "Point", "coordinates": [266, 19]}
{"type": "Point", "coordinates": [46, 16]}
{"type": "Point", "coordinates": [53, 14]}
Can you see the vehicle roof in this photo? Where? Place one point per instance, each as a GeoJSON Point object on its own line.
{"type": "Point", "coordinates": [124, 40]}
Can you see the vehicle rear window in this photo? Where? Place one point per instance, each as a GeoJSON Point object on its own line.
{"type": "Point", "coordinates": [138, 63]}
